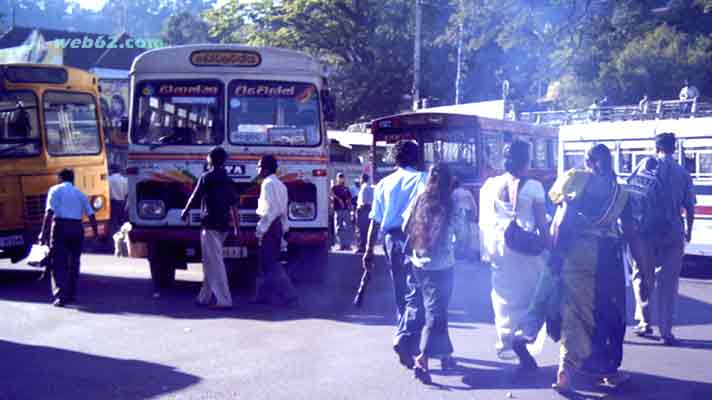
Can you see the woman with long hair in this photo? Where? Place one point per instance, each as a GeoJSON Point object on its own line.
{"type": "Point", "coordinates": [430, 249]}
{"type": "Point", "coordinates": [588, 256]}
{"type": "Point", "coordinates": [513, 197]}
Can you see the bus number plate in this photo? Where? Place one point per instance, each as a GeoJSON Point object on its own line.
{"type": "Point", "coordinates": [235, 252]}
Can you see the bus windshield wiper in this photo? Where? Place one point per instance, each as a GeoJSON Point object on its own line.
{"type": "Point", "coordinates": [178, 135]}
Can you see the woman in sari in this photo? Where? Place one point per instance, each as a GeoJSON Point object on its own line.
{"type": "Point", "coordinates": [514, 274]}
{"type": "Point", "coordinates": [587, 253]}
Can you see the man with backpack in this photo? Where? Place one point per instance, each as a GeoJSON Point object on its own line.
{"type": "Point", "coordinates": [660, 189]}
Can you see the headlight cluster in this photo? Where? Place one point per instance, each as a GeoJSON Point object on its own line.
{"type": "Point", "coordinates": [151, 209]}
{"type": "Point", "coordinates": [302, 210]}
{"type": "Point", "coordinates": [97, 202]}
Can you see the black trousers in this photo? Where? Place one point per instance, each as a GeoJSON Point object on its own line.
{"type": "Point", "coordinates": [362, 223]}
{"type": "Point", "coordinates": [118, 215]}
{"type": "Point", "coordinates": [275, 285]}
{"type": "Point", "coordinates": [65, 251]}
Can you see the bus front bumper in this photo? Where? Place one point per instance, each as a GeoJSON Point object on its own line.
{"type": "Point", "coordinates": [190, 236]}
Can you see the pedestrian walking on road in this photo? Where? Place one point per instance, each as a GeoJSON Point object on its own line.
{"type": "Point", "coordinates": [275, 286]}
{"type": "Point", "coordinates": [363, 209]}
{"type": "Point", "coordinates": [430, 230]}
{"type": "Point", "coordinates": [218, 204]}
{"type": "Point", "coordinates": [513, 198]}
{"type": "Point", "coordinates": [118, 192]}
{"type": "Point", "coordinates": [341, 204]}
{"type": "Point", "coordinates": [65, 207]}
{"type": "Point", "coordinates": [661, 238]}
{"type": "Point", "coordinates": [588, 256]}
{"type": "Point", "coordinates": [391, 198]}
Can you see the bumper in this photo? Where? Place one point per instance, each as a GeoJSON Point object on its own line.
{"type": "Point", "coordinates": [191, 236]}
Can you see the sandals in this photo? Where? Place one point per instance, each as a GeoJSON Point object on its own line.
{"type": "Point", "coordinates": [563, 382]}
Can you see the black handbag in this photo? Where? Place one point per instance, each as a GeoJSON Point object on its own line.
{"type": "Point", "coordinates": [516, 237]}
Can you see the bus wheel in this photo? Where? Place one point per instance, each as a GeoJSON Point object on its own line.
{"type": "Point", "coordinates": [308, 263]}
{"type": "Point", "coordinates": [163, 265]}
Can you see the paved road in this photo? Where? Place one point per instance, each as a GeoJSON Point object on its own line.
{"type": "Point", "coordinates": [119, 343]}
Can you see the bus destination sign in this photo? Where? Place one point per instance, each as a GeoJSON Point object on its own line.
{"type": "Point", "coordinates": [225, 58]}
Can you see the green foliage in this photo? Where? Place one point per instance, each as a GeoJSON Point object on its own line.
{"type": "Point", "coordinates": [185, 28]}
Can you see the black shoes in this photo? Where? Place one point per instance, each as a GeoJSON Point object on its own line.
{"type": "Point", "coordinates": [670, 340]}
{"type": "Point", "coordinates": [59, 303]}
{"type": "Point", "coordinates": [643, 331]}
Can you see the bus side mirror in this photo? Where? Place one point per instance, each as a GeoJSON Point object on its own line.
{"type": "Point", "coordinates": [124, 126]}
{"type": "Point", "coordinates": [329, 106]}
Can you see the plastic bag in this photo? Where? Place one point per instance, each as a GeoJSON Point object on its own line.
{"type": "Point", "coordinates": [38, 256]}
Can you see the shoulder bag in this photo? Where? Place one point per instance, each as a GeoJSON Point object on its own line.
{"type": "Point", "coordinates": [515, 236]}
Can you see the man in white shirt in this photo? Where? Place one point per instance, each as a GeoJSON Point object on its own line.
{"type": "Point", "coordinates": [65, 207]}
{"type": "Point", "coordinates": [276, 287]}
{"type": "Point", "coordinates": [118, 192]}
{"type": "Point", "coordinates": [363, 209]}
{"type": "Point", "coordinates": [465, 212]}
{"type": "Point", "coordinates": [688, 93]}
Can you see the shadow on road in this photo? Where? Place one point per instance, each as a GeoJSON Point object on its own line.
{"type": "Point", "coordinates": [42, 372]}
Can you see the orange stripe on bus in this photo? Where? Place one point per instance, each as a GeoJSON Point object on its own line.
{"type": "Point", "coordinates": [704, 210]}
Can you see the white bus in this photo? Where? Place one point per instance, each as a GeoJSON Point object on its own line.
{"type": "Point", "coordinates": [252, 101]}
{"type": "Point", "coordinates": [632, 140]}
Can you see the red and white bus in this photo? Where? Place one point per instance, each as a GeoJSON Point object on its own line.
{"type": "Point", "coordinates": [472, 146]}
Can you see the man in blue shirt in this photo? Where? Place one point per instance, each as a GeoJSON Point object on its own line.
{"type": "Point", "coordinates": [392, 197]}
{"type": "Point", "coordinates": [65, 207]}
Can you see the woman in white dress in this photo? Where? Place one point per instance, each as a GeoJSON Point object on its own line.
{"type": "Point", "coordinates": [514, 274]}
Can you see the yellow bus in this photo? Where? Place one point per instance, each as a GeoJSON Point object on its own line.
{"type": "Point", "coordinates": [49, 120]}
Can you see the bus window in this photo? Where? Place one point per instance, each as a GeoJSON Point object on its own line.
{"type": "Point", "coordinates": [492, 151]}
{"type": "Point", "coordinates": [273, 113]}
{"type": "Point", "coordinates": [19, 133]}
{"type": "Point", "coordinates": [625, 163]}
{"type": "Point", "coordinates": [71, 123]}
{"type": "Point", "coordinates": [705, 163]}
{"type": "Point", "coordinates": [461, 157]}
{"type": "Point", "coordinates": [540, 159]}
{"type": "Point", "coordinates": [573, 160]}
{"type": "Point", "coordinates": [160, 105]}
{"type": "Point", "coordinates": [690, 162]}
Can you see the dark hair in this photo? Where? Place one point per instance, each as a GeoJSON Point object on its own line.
{"type": "Point", "coordinates": [516, 157]}
{"type": "Point", "coordinates": [432, 209]}
{"type": "Point", "coordinates": [455, 182]}
{"type": "Point", "coordinates": [599, 159]}
{"type": "Point", "coordinates": [66, 175]}
{"type": "Point", "coordinates": [665, 142]}
{"type": "Point", "coordinates": [269, 163]}
{"type": "Point", "coordinates": [114, 168]}
{"type": "Point", "coordinates": [217, 156]}
{"type": "Point", "coordinates": [405, 153]}
{"type": "Point", "coordinates": [365, 178]}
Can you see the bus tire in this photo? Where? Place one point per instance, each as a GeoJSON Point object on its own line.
{"type": "Point", "coordinates": [308, 263]}
{"type": "Point", "coordinates": [162, 264]}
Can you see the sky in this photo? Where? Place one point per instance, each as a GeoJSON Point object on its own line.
{"type": "Point", "coordinates": [94, 5]}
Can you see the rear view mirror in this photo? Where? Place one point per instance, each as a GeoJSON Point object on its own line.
{"type": "Point", "coordinates": [329, 104]}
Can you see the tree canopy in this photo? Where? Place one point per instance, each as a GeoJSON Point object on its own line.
{"type": "Point", "coordinates": [565, 52]}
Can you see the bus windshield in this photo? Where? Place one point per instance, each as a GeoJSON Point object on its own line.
{"type": "Point", "coordinates": [72, 124]}
{"type": "Point", "coordinates": [19, 127]}
{"type": "Point", "coordinates": [178, 113]}
{"type": "Point", "coordinates": [273, 113]}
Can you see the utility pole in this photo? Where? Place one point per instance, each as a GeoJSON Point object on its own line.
{"type": "Point", "coordinates": [458, 76]}
{"type": "Point", "coordinates": [12, 14]}
{"type": "Point", "coordinates": [416, 55]}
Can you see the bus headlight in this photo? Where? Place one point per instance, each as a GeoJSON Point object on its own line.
{"type": "Point", "coordinates": [151, 209]}
{"type": "Point", "coordinates": [97, 202]}
{"type": "Point", "coordinates": [302, 210]}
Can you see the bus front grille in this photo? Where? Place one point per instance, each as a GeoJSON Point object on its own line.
{"type": "Point", "coordinates": [34, 208]}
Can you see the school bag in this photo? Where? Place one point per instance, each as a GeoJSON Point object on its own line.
{"type": "Point", "coordinates": [651, 200]}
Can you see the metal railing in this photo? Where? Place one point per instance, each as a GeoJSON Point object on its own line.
{"type": "Point", "coordinates": [652, 110]}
